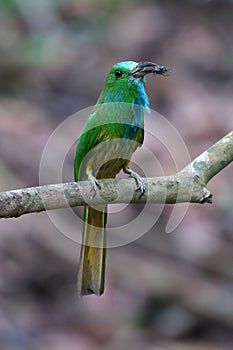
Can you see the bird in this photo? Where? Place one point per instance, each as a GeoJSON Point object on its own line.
{"type": "Point", "coordinates": [111, 134]}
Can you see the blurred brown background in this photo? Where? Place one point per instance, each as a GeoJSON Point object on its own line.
{"type": "Point", "coordinates": [163, 291]}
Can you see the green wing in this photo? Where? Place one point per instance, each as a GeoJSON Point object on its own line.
{"type": "Point", "coordinates": [99, 127]}
{"type": "Point", "coordinates": [87, 140]}
{"type": "Point", "coordinates": [106, 122]}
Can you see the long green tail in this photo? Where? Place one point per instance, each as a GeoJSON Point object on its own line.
{"type": "Point", "coordinates": [91, 273]}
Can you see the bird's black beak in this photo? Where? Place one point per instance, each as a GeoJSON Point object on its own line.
{"type": "Point", "coordinates": [144, 68]}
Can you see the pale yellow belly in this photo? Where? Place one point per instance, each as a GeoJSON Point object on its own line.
{"type": "Point", "coordinates": [108, 158]}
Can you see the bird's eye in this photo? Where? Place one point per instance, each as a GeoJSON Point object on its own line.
{"type": "Point", "coordinates": [118, 73]}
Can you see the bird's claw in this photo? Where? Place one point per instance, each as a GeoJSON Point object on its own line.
{"type": "Point", "coordinates": [140, 184]}
{"type": "Point", "coordinates": [94, 183]}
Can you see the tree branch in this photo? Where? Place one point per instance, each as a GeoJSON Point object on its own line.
{"type": "Point", "coordinates": [188, 185]}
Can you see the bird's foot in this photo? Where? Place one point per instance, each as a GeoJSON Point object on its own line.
{"type": "Point", "coordinates": [140, 184]}
{"type": "Point", "coordinates": [94, 182]}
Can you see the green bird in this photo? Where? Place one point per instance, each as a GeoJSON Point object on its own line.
{"type": "Point", "coordinates": [111, 134]}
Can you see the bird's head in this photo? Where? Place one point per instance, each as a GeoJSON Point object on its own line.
{"type": "Point", "coordinates": [125, 82]}
{"type": "Point", "coordinates": [133, 72]}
